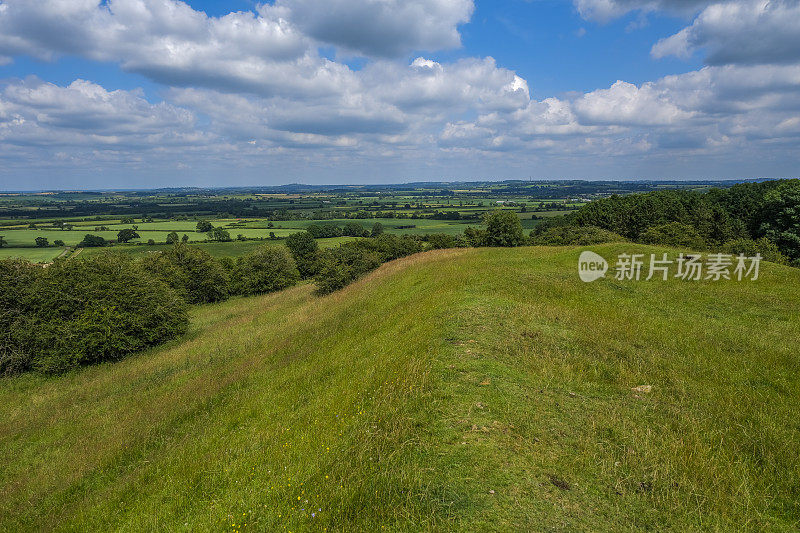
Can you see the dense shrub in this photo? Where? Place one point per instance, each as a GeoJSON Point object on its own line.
{"type": "Point", "coordinates": [673, 234]}
{"type": "Point", "coordinates": [503, 228]}
{"type": "Point", "coordinates": [780, 218]}
{"type": "Point", "coordinates": [354, 229]}
{"type": "Point", "coordinates": [90, 241]}
{"type": "Point", "coordinates": [192, 272]}
{"type": "Point", "coordinates": [749, 247]}
{"type": "Point", "coordinates": [324, 231]}
{"type": "Point", "coordinates": [82, 311]}
{"type": "Point", "coordinates": [340, 266]}
{"type": "Point", "coordinates": [304, 250]}
{"type": "Point", "coordinates": [268, 269]}
{"type": "Point", "coordinates": [573, 235]}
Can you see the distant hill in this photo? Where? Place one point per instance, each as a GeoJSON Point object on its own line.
{"type": "Point", "coordinates": [465, 390]}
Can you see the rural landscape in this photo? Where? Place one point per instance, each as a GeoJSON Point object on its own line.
{"type": "Point", "coordinates": [365, 266]}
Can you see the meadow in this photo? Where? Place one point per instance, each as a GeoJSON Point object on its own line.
{"type": "Point", "coordinates": [494, 392]}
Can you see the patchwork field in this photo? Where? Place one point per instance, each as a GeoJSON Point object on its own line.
{"type": "Point", "coordinates": [492, 392]}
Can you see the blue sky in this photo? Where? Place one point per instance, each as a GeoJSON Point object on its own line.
{"type": "Point", "coordinates": [148, 93]}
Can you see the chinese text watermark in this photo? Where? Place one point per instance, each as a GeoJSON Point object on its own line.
{"type": "Point", "coordinates": [688, 267]}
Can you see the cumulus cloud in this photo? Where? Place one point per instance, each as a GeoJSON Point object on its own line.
{"type": "Point", "coordinates": [605, 10]}
{"type": "Point", "coordinates": [384, 28]}
{"type": "Point", "coordinates": [743, 32]}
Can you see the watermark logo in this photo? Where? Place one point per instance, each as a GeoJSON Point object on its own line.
{"type": "Point", "coordinates": [591, 266]}
{"type": "Point", "coordinates": [687, 267]}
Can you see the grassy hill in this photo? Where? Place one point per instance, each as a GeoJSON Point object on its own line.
{"type": "Point", "coordinates": [478, 389]}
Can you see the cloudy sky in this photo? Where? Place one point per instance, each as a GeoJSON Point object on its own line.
{"type": "Point", "coordinates": [157, 93]}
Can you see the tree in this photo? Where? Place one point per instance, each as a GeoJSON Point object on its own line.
{"type": "Point", "coordinates": [192, 272]}
{"type": "Point", "coordinates": [377, 229]}
{"type": "Point", "coordinates": [673, 234]}
{"type": "Point", "coordinates": [304, 250]}
{"type": "Point", "coordinates": [503, 228]}
{"type": "Point", "coordinates": [220, 234]}
{"type": "Point", "coordinates": [3, 242]}
{"type": "Point", "coordinates": [185, 238]}
{"type": "Point", "coordinates": [268, 269]}
{"type": "Point", "coordinates": [57, 242]}
{"type": "Point", "coordinates": [204, 226]}
{"type": "Point", "coordinates": [41, 242]}
{"type": "Point", "coordinates": [126, 235]}
{"type": "Point", "coordinates": [780, 218]}
{"type": "Point", "coordinates": [90, 241]}
{"type": "Point", "coordinates": [151, 242]}
{"type": "Point", "coordinates": [126, 220]}
{"type": "Point", "coordinates": [172, 238]}
{"type": "Point", "coordinates": [354, 229]}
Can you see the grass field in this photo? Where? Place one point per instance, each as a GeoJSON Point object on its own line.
{"type": "Point", "coordinates": [36, 255]}
{"type": "Point", "coordinates": [464, 390]}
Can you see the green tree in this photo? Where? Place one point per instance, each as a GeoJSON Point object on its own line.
{"type": "Point", "coordinates": [503, 228]}
{"type": "Point", "coordinates": [185, 238]}
{"type": "Point", "coordinates": [126, 235]}
{"type": "Point", "coordinates": [377, 229]}
{"type": "Point", "coordinates": [57, 242]}
{"type": "Point", "coordinates": [673, 234]}
{"type": "Point", "coordinates": [780, 218]}
{"type": "Point", "coordinates": [172, 238]}
{"type": "Point", "coordinates": [192, 272]}
{"type": "Point", "coordinates": [220, 234]}
{"type": "Point", "coordinates": [3, 241]}
{"type": "Point", "coordinates": [90, 241]}
{"type": "Point", "coordinates": [204, 226]}
{"type": "Point", "coordinates": [304, 250]}
{"type": "Point", "coordinates": [268, 269]}
{"type": "Point", "coordinates": [42, 242]}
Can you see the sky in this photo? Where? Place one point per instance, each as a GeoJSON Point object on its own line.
{"type": "Point", "coordinates": [165, 93]}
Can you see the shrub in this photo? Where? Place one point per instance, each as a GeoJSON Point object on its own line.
{"type": "Point", "coordinates": [192, 272]}
{"type": "Point", "coordinates": [41, 242]}
{"type": "Point", "coordinates": [90, 241]}
{"type": "Point", "coordinates": [304, 250]}
{"type": "Point", "coordinates": [172, 237]}
{"type": "Point", "coordinates": [377, 229]}
{"type": "Point", "coordinates": [354, 229]}
{"type": "Point", "coordinates": [83, 311]}
{"type": "Point", "coordinates": [126, 235]}
{"type": "Point", "coordinates": [503, 228]}
{"type": "Point", "coordinates": [58, 242]}
{"type": "Point", "coordinates": [749, 247]}
{"type": "Point", "coordinates": [573, 235]}
{"type": "Point", "coordinates": [438, 241]}
{"type": "Point", "coordinates": [673, 234]}
{"type": "Point", "coordinates": [322, 231]}
{"type": "Point", "coordinates": [268, 269]}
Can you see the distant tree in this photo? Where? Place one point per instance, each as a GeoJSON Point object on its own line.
{"type": "Point", "coordinates": [204, 226]}
{"type": "Point", "coordinates": [126, 220]}
{"type": "Point", "coordinates": [673, 234]}
{"type": "Point", "coordinates": [304, 250]}
{"type": "Point", "coordinates": [185, 238]}
{"type": "Point", "coordinates": [272, 235]}
{"type": "Point", "coordinates": [57, 242]}
{"type": "Point", "coordinates": [503, 228]}
{"type": "Point", "coordinates": [127, 234]}
{"type": "Point", "coordinates": [377, 229]}
{"type": "Point", "coordinates": [192, 272]}
{"type": "Point", "coordinates": [67, 227]}
{"type": "Point", "coordinates": [354, 229]}
{"type": "Point", "coordinates": [172, 238]}
{"type": "Point", "coordinates": [42, 242]}
{"type": "Point", "coordinates": [220, 234]}
{"type": "Point", "coordinates": [270, 225]}
{"type": "Point", "coordinates": [32, 225]}
{"type": "Point", "coordinates": [90, 241]}
{"type": "Point", "coordinates": [3, 242]}
{"type": "Point", "coordinates": [241, 237]}
{"type": "Point", "coordinates": [150, 242]}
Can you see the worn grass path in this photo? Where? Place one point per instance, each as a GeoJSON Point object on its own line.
{"type": "Point", "coordinates": [468, 390]}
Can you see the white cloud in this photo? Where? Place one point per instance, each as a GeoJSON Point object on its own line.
{"type": "Point", "coordinates": [605, 10]}
{"type": "Point", "coordinates": [742, 32]}
{"type": "Point", "coordinates": [383, 28]}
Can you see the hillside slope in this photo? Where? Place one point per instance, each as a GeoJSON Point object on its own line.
{"type": "Point", "coordinates": [479, 389]}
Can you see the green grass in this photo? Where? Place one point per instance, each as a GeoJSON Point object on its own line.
{"type": "Point", "coordinates": [465, 390]}
{"type": "Point", "coordinates": [36, 255]}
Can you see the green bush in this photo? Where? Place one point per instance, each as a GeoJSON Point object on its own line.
{"type": "Point", "coordinates": [673, 234]}
{"type": "Point", "coordinates": [304, 250]}
{"type": "Point", "coordinates": [268, 269]}
{"type": "Point", "coordinates": [83, 311]}
{"type": "Point", "coordinates": [90, 241]}
{"type": "Point", "coordinates": [438, 241]}
{"type": "Point", "coordinates": [503, 228]}
{"type": "Point", "coordinates": [192, 272]}
{"type": "Point", "coordinates": [573, 236]}
{"type": "Point", "coordinates": [749, 247]}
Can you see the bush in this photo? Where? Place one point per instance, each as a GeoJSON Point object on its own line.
{"type": "Point", "coordinates": [82, 311]}
{"type": "Point", "coordinates": [192, 272]}
{"type": "Point", "coordinates": [58, 242]}
{"type": "Point", "coordinates": [749, 247]}
{"type": "Point", "coordinates": [573, 235]}
{"type": "Point", "coordinates": [354, 229]}
{"type": "Point", "coordinates": [323, 231]}
{"type": "Point", "coordinates": [673, 234]}
{"type": "Point", "coordinates": [340, 266]}
{"type": "Point", "coordinates": [304, 250]}
{"type": "Point", "coordinates": [503, 228]}
{"type": "Point", "coordinates": [268, 269]}
{"type": "Point", "coordinates": [438, 241]}
{"type": "Point", "coordinates": [41, 242]}
{"type": "Point", "coordinates": [90, 241]}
